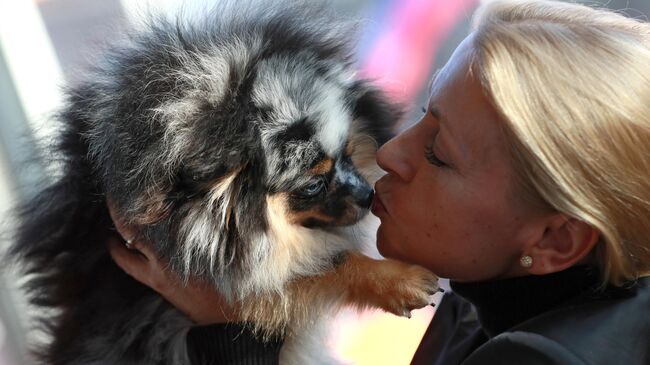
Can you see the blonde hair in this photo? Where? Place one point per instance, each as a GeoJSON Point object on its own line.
{"type": "Point", "coordinates": [572, 84]}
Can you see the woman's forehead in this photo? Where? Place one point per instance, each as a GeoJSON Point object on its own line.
{"type": "Point", "coordinates": [468, 119]}
{"type": "Point", "coordinates": [458, 65]}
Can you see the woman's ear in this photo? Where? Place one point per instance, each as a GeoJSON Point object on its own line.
{"type": "Point", "coordinates": [565, 242]}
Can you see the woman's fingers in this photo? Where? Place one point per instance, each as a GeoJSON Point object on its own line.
{"type": "Point", "coordinates": [145, 250]}
{"type": "Point", "coordinates": [199, 301]}
{"type": "Point", "coordinates": [133, 263]}
{"type": "Point", "coordinates": [141, 262]}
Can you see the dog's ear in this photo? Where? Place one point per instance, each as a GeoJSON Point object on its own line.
{"type": "Point", "coordinates": [198, 154]}
{"type": "Point", "coordinates": [374, 121]}
{"type": "Point", "coordinates": [374, 113]}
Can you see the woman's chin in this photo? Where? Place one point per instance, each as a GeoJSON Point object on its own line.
{"type": "Point", "coordinates": [386, 248]}
{"type": "Point", "coordinates": [383, 250]}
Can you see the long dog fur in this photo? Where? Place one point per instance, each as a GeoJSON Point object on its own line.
{"type": "Point", "coordinates": [210, 136]}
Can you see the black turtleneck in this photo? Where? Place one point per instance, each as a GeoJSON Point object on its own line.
{"type": "Point", "coordinates": [502, 304]}
{"type": "Point", "coordinates": [474, 313]}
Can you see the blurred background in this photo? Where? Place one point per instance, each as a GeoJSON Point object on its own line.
{"type": "Point", "coordinates": [45, 44]}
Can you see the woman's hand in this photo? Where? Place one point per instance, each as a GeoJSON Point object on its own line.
{"type": "Point", "coordinates": [199, 301]}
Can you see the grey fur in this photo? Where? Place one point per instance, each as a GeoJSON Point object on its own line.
{"type": "Point", "coordinates": [192, 127]}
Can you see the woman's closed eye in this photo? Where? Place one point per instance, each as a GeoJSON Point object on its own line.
{"type": "Point", "coordinates": [432, 158]}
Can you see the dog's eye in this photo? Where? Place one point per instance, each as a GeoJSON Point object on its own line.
{"type": "Point", "coordinates": [313, 189]}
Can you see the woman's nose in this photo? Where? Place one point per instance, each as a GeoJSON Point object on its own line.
{"type": "Point", "coordinates": [396, 156]}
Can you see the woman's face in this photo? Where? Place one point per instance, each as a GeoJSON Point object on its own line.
{"type": "Point", "coordinates": [448, 202]}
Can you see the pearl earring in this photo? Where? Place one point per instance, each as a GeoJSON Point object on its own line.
{"type": "Point", "coordinates": [526, 261]}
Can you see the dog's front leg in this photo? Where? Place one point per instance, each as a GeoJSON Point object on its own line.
{"type": "Point", "coordinates": [355, 280]}
{"type": "Point", "coordinates": [388, 284]}
{"type": "Point", "coordinates": [365, 282]}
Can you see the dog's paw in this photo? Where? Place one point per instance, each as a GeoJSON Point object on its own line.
{"type": "Point", "coordinates": [403, 287]}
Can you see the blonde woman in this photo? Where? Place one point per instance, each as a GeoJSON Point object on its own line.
{"type": "Point", "coordinates": [527, 183]}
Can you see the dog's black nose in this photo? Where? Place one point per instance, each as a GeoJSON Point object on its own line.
{"type": "Point", "coordinates": [366, 202]}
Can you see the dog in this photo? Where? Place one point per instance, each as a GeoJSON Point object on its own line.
{"type": "Point", "coordinates": [242, 147]}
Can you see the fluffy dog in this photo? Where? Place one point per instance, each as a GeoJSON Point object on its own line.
{"type": "Point", "coordinates": [242, 147]}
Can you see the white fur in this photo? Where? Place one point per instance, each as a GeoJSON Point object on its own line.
{"type": "Point", "coordinates": [202, 227]}
{"type": "Point", "coordinates": [312, 344]}
{"type": "Point", "coordinates": [333, 117]}
{"type": "Point", "coordinates": [208, 77]}
{"type": "Point", "coordinates": [287, 251]}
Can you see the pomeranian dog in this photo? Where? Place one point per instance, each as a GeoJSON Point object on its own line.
{"type": "Point", "coordinates": [242, 147]}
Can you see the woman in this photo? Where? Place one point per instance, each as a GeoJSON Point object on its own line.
{"type": "Point", "coordinates": [527, 183]}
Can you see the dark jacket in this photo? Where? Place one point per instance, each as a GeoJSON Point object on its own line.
{"type": "Point", "coordinates": [230, 344]}
{"type": "Point", "coordinates": [595, 327]}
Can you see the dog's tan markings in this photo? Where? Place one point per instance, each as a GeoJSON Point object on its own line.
{"type": "Point", "coordinates": [279, 202]}
{"type": "Point", "coordinates": [300, 217]}
{"type": "Point", "coordinates": [364, 152]}
{"type": "Point", "coordinates": [358, 280]}
{"type": "Point", "coordinates": [154, 207]}
{"type": "Point", "coordinates": [323, 167]}
{"type": "Point", "coordinates": [349, 148]}
{"type": "Point", "coordinates": [389, 284]}
{"type": "Point", "coordinates": [289, 241]}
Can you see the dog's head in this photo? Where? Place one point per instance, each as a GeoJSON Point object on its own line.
{"type": "Point", "coordinates": [210, 136]}
{"type": "Point", "coordinates": [309, 140]}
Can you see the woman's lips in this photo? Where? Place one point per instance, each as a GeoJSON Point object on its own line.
{"type": "Point", "coordinates": [377, 208]}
